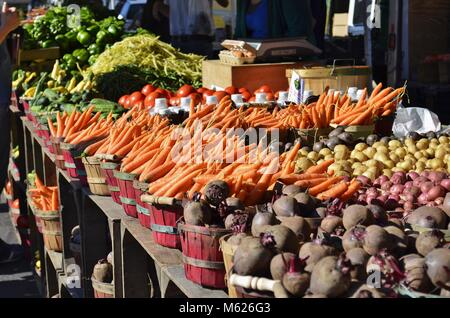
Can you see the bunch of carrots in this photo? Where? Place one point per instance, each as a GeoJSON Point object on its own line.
{"type": "Point", "coordinates": [339, 110]}
{"type": "Point", "coordinates": [44, 198]}
{"type": "Point", "coordinates": [318, 183]}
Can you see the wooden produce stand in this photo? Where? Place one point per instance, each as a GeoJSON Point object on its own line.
{"type": "Point", "coordinates": [141, 267]}
{"type": "Point", "coordinates": [251, 76]}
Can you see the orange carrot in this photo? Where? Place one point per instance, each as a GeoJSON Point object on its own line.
{"type": "Point", "coordinates": [335, 192]}
{"type": "Point", "coordinates": [354, 186]}
{"type": "Point", "coordinates": [323, 186]}
{"type": "Point", "coordinates": [320, 168]}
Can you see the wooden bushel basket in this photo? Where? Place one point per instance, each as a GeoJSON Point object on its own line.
{"type": "Point", "coordinates": [102, 290]}
{"type": "Point", "coordinates": [165, 213]}
{"type": "Point", "coordinates": [74, 164]}
{"type": "Point", "coordinates": [108, 171]}
{"type": "Point", "coordinates": [202, 258]}
{"type": "Point", "coordinates": [95, 177]}
{"type": "Point", "coordinates": [309, 136]}
{"type": "Point", "coordinates": [359, 131]}
{"type": "Point", "coordinates": [228, 251]}
{"type": "Point", "coordinates": [37, 219]}
{"type": "Point", "coordinates": [143, 209]}
{"type": "Point", "coordinates": [127, 194]}
{"type": "Point", "coordinates": [59, 157]}
{"type": "Point", "coordinates": [51, 229]}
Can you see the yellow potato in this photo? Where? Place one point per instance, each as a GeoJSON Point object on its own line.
{"type": "Point", "coordinates": [341, 148]}
{"type": "Point", "coordinates": [394, 144]}
{"type": "Point", "coordinates": [387, 172]}
{"type": "Point", "coordinates": [400, 152]}
{"type": "Point", "coordinates": [389, 164]}
{"type": "Point", "coordinates": [324, 152]}
{"type": "Point", "coordinates": [370, 152]}
{"type": "Point", "coordinates": [440, 153]}
{"type": "Point", "coordinates": [342, 155]}
{"type": "Point", "coordinates": [380, 156]}
{"type": "Point", "coordinates": [361, 146]}
{"type": "Point", "coordinates": [444, 140]}
{"type": "Point", "coordinates": [412, 149]}
{"type": "Point", "coordinates": [314, 156]}
{"type": "Point", "coordinates": [383, 149]}
{"type": "Point", "coordinates": [303, 152]}
{"type": "Point", "coordinates": [378, 144]}
{"type": "Point", "coordinates": [394, 157]}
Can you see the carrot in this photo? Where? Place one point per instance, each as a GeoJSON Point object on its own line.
{"type": "Point", "coordinates": [321, 168]}
{"type": "Point", "coordinates": [292, 178]}
{"type": "Point", "coordinates": [54, 201]}
{"type": "Point", "coordinates": [182, 185]}
{"type": "Point", "coordinates": [52, 128]}
{"type": "Point", "coordinates": [310, 183]}
{"type": "Point", "coordinates": [60, 125]}
{"type": "Point", "coordinates": [323, 186]}
{"type": "Point", "coordinates": [362, 118]}
{"type": "Point", "coordinates": [354, 186]}
{"type": "Point", "coordinates": [334, 192]}
{"type": "Point", "coordinates": [376, 90]}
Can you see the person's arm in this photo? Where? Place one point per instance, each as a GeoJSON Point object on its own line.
{"type": "Point", "coordinates": [9, 22]}
{"type": "Point", "coordinates": [223, 3]}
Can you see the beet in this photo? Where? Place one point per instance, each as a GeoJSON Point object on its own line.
{"type": "Point", "coordinates": [286, 206]}
{"type": "Point", "coordinates": [376, 239]}
{"type": "Point", "coordinates": [253, 257]}
{"type": "Point", "coordinates": [103, 271]}
{"type": "Point", "coordinates": [438, 267]}
{"type": "Point", "coordinates": [357, 214]}
{"type": "Point", "coordinates": [366, 291]}
{"type": "Point", "coordinates": [234, 204]}
{"type": "Point", "coordinates": [379, 214]}
{"type": "Point", "coordinates": [446, 204]}
{"type": "Point", "coordinates": [415, 271]}
{"type": "Point", "coordinates": [428, 217]}
{"type": "Point", "coordinates": [331, 276]}
{"type": "Point", "coordinates": [296, 279]}
{"type": "Point", "coordinates": [388, 266]}
{"type": "Point", "coordinates": [285, 238]}
{"type": "Point", "coordinates": [354, 238]}
{"type": "Point", "coordinates": [262, 219]}
{"type": "Point", "coordinates": [291, 190]}
{"type": "Point", "coordinates": [358, 257]}
{"type": "Point", "coordinates": [428, 241]}
{"type": "Point", "coordinates": [279, 265]}
{"type": "Point", "coordinates": [197, 213]}
{"type": "Point", "coordinates": [399, 239]}
{"type": "Point", "coordinates": [298, 225]}
{"type": "Point", "coordinates": [236, 239]}
{"type": "Point", "coordinates": [306, 203]}
{"type": "Point", "coordinates": [216, 192]}
{"type": "Point", "coordinates": [332, 225]}
{"type": "Point", "coordinates": [314, 251]}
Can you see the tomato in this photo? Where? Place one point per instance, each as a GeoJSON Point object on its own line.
{"type": "Point", "coordinates": [164, 93]}
{"type": "Point", "coordinates": [127, 104]}
{"type": "Point", "coordinates": [185, 90]}
{"type": "Point", "coordinates": [123, 99]}
{"type": "Point", "coordinates": [147, 89]}
{"type": "Point", "coordinates": [135, 97]}
{"type": "Point", "coordinates": [220, 95]}
{"type": "Point", "coordinates": [246, 95]}
{"type": "Point", "coordinates": [243, 89]}
{"type": "Point", "coordinates": [201, 90]}
{"type": "Point", "coordinates": [174, 101]}
{"type": "Point", "coordinates": [8, 187]}
{"type": "Point", "coordinates": [15, 204]}
{"type": "Point", "coordinates": [264, 89]}
{"type": "Point", "coordinates": [231, 90]}
{"type": "Point", "coordinates": [196, 97]}
{"type": "Point", "coordinates": [207, 93]}
{"type": "Point", "coordinates": [270, 97]}
{"type": "Point", "coordinates": [252, 99]}
{"type": "Point", "coordinates": [150, 99]}
{"type": "Point", "coordinates": [139, 104]}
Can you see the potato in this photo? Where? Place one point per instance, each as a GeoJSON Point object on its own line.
{"type": "Point", "coordinates": [423, 160]}
{"type": "Point", "coordinates": [375, 170]}
{"type": "Point", "coordinates": [341, 148]}
{"type": "Point", "coordinates": [394, 144]}
{"type": "Point", "coordinates": [378, 144]}
{"type": "Point", "coordinates": [359, 171]}
{"type": "Point", "coordinates": [383, 149]}
{"type": "Point", "coordinates": [387, 172]}
{"type": "Point", "coordinates": [394, 157]}
{"type": "Point", "coordinates": [440, 153]}
{"type": "Point", "coordinates": [370, 152]}
{"type": "Point", "coordinates": [436, 163]}
{"type": "Point", "coordinates": [370, 175]}
{"type": "Point", "coordinates": [409, 141]}
{"type": "Point", "coordinates": [358, 155]}
{"type": "Point", "coordinates": [425, 154]}
{"type": "Point", "coordinates": [342, 155]}
{"type": "Point", "coordinates": [405, 165]}
{"type": "Point", "coordinates": [320, 161]}
{"type": "Point", "coordinates": [361, 146]}
{"type": "Point", "coordinates": [303, 152]}
{"type": "Point", "coordinates": [342, 173]}
{"type": "Point", "coordinates": [381, 156]}
{"type": "Point", "coordinates": [412, 149]}
{"type": "Point", "coordinates": [335, 167]}
{"type": "Point", "coordinates": [421, 145]}
{"type": "Point", "coordinates": [418, 155]}
{"type": "Point", "coordinates": [389, 164]}
{"type": "Point", "coordinates": [433, 145]}
{"type": "Point", "coordinates": [356, 165]}
{"type": "Point", "coordinates": [397, 169]}
{"type": "Point", "coordinates": [400, 152]}
{"type": "Point", "coordinates": [420, 166]}
{"type": "Point", "coordinates": [328, 157]}
{"type": "Point", "coordinates": [424, 140]}
{"type": "Point", "coordinates": [314, 156]}
{"type": "Point", "coordinates": [324, 152]}
{"type": "Point", "coordinates": [303, 164]}
{"type": "Point", "coordinates": [444, 140]}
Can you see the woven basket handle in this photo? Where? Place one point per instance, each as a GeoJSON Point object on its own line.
{"type": "Point", "coordinates": [108, 157]}
{"type": "Point", "coordinates": [148, 198]}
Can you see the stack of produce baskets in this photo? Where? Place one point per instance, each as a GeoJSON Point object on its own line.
{"type": "Point", "coordinates": [73, 162]}
{"type": "Point", "coordinates": [143, 210]}
{"type": "Point", "coordinates": [164, 215]}
{"type": "Point", "coordinates": [108, 169]}
{"type": "Point", "coordinates": [95, 176]}
{"type": "Point", "coordinates": [51, 229]}
{"type": "Point", "coordinates": [127, 193]}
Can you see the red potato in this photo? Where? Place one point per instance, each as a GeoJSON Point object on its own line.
{"type": "Point", "coordinates": [435, 192]}
{"type": "Point", "coordinates": [331, 276]}
{"type": "Point", "coordinates": [445, 184]}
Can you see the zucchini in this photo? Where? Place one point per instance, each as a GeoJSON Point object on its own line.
{"type": "Point", "coordinates": [104, 106]}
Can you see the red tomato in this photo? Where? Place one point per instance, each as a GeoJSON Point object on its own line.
{"type": "Point", "coordinates": [135, 97]}
{"type": "Point", "coordinates": [264, 89]}
{"type": "Point", "coordinates": [201, 90]}
{"type": "Point", "coordinates": [243, 89]}
{"type": "Point", "coordinates": [231, 90]}
{"type": "Point", "coordinates": [246, 95]}
{"type": "Point", "coordinates": [196, 97]}
{"type": "Point", "coordinates": [270, 97]}
{"type": "Point", "coordinates": [147, 89]}
{"type": "Point", "coordinates": [207, 93]}
{"type": "Point", "coordinates": [139, 104]}
{"type": "Point", "coordinates": [127, 104]}
{"type": "Point", "coordinates": [123, 99]}
{"type": "Point", "coordinates": [185, 90]}
{"type": "Point", "coordinates": [150, 99]}
{"type": "Point", "coordinates": [15, 204]}
{"type": "Point", "coordinates": [220, 95]}
{"type": "Point", "coordinates": [163, 93]}
{"type": "Point", "coordinates": [252, 99]}
{"type": "Point", "coordinates": [174, 101]}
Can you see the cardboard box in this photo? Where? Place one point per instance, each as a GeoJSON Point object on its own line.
{"type": "Point", "coordinates": [251, 76]}
{"type": "Point", "coordinates": [340, 25]}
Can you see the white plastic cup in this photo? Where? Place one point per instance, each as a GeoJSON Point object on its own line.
{"type": "Point", "coordinates": [174, 109]}
{"type": "Point", "coordinates": [237, 99]}
{"type": "Point", "coordinates": [185, 102]}
{"type": "Point", "coordinates": [261, 98]}
{"type": "Point", "coordinates": [160, 103]}
{"type": "Point", "coordinates": [282, 97]}
{"type": "Point", "coordinates": [359, 93]}
{"type": "Point", "coordinates": [211, 100]}
{"type": "Point", "coordinates": [306, 95]}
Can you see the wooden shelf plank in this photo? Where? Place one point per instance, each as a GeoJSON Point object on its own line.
{"type": "Point", "coordinates": [163, 256]}
{"type": "Point", "coordinates": [110, 208]}
{"type": "Point", "coordinates": [190, 289]}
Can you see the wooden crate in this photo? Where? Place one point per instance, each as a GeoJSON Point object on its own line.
{"type": "Point", "coordinates": [251, 76]}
